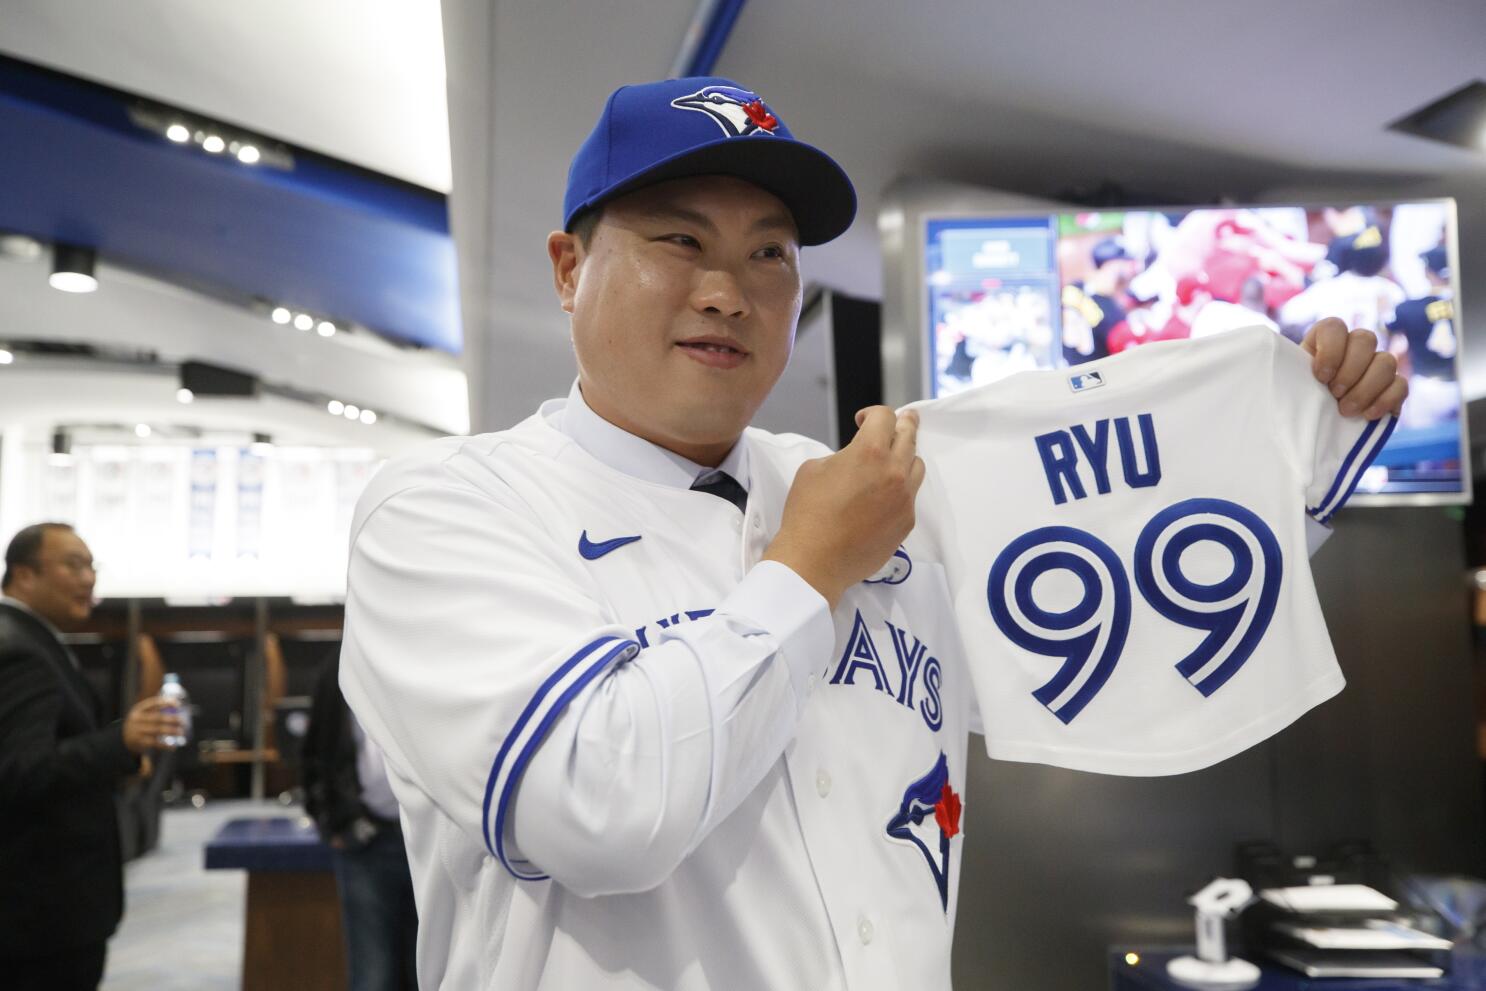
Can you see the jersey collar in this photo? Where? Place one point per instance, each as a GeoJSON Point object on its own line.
{"type": "Point", "coordinates": [632, 455]}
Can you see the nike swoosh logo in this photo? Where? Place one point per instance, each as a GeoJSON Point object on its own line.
{"type": "Point", "coordinates": [592, 551]}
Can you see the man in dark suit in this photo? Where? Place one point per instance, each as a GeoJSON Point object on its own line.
{"type": "Point", "coordinates": [61, 874]}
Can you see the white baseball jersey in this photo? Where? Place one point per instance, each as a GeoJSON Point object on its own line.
{"type": "Point", "coordinates": [1125, 542]}
{"type": "Point", "coordinates": [629, 754]}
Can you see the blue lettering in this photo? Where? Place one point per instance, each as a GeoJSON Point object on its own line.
{"type": "Point", "coordinates": [931, 707]}
{"type": "Point", "coordinates": [1134, 477]}
{"type": "Point", "coordinates": [1059, 462]}
{"type": "Point", "coordinates": [860, 653]}
{"type": "Point", "coordinates": [909, 659]}
{"type": "Point", "coordinates": [1096, 452]}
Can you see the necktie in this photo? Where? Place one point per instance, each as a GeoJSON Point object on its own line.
{"type": "Point", "coordinates": [724, 486]}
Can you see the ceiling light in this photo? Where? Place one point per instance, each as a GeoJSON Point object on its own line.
{"type": "Point", "coordinates": [141, 430]}
{"type": "Point", "coordinates": [367, 416]}
{"type": "Point", "coordinates": [179, 133]}
{"type": "Point", "coordinates": [184, 395]}
{"type": "Point", "coordinates": [281, 315]}
{"type": "Point", "coordinates": [336, 407]}
{"type": "Point", "coordinates": [304, 321]}
{"type": "Point", "coordinates": [352, 412]}
{"type": "Point", "coordinates": [72, 268]}
{"type": "Point", "coordinates": [213, 144]}
{"type": "Point", "coordinates": [20, 247]}
{"type": "Point", "coordinates": [326, 329]}
{"type": "Point", "coordinates": [6, 357]}
{"type": "Point", "coordinates": [248, 155]}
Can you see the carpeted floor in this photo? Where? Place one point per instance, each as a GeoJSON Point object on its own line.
{"type": "Point", "coordinates": [183, 925]}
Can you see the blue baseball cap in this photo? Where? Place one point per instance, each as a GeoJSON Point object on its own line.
{"type": "Point", "coordinates": [706, 125]}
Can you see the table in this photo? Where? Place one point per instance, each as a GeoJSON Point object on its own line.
{"type": "Point", "coordinates": [1468, 973]}
{"type": "Point", "coordinates": [292, 938]}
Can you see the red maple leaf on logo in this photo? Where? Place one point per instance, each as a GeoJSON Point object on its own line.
{"type": "Point", "coordinates": [947, 812]}
{"type": "Point", "coordinates": [759, 114]}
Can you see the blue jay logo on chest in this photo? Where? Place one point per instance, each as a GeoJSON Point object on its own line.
{"type": "Point", "coordinates": [927, 819]}
{"type": "Point", "coordinates": [738, 112]}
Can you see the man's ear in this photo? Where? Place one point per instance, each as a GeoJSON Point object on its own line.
{"type": "Point", "coordinates": [565, 251]}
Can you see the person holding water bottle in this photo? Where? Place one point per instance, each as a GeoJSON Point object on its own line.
{"type": "Point", "coordinates": [61, 869]}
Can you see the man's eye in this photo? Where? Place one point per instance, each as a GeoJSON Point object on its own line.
{"type": "Point", "coordinates": [686, 240]}
{"type": "Point", "coordinates": [772, 251]}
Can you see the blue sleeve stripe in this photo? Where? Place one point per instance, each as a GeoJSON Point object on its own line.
{"type": "Point", "coordinates": [546, 704]}
{"type": "Point", "coordinates": [1358, 458]}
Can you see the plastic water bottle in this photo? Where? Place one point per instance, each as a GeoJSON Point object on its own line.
{"type": "Point", "coordinates": [177, 704]}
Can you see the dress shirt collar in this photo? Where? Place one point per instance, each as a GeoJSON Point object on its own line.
{"type": "Point", "coordinates": [635, 456]}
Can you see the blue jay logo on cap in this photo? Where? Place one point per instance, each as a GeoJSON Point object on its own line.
{"type": "Point", "coordinates": [737, 111]}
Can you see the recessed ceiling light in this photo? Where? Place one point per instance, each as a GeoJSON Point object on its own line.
{"type": "Point", "coordinates": [367, 416]}
{"type": "Point", "coordinates": [304, 321]}
{"type": "Point", "coordinates": [6, 357]}
{"type": "Point", "coordinates": [179, 133]}
{"type": "Point", "coordinates": [72, 268]}
{"type": "Point", "coordinates": [352, 412]}
{"type": "Point", "coordinates": [142, 430]}
{"type": "Point", "coordinates": [281, 315]}
{"type": "Point", "coordinates": [184, 395]}
{"type": "Point", "coordinates": [248, 155]}
{"type": "Point", "coordinates": [213, 144]}
{"type": "Point", "coordinates": [326, 329]}
{"type": "Point", "coordinates": [335, 407]}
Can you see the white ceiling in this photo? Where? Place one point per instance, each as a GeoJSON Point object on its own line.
{"type": "Point", "coordinates": [362, 80]}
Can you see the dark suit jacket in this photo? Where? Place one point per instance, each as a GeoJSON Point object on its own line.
{"type": "Point", "coordinates": [61, 875]}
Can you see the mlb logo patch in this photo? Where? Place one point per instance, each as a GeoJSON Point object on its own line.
{"type": "Point", "coordinates": [1085, 381]}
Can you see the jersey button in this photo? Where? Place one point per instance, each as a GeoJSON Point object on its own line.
{"type": "Point", "coordinates": [865, 931]}
{"type": "Point", "coordinates": [823, 783]}
{"type": "Point", "coordinates": [758, 524]}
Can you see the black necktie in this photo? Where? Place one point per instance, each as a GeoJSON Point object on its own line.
{"type": "Point", "coordinates": [724, 486]}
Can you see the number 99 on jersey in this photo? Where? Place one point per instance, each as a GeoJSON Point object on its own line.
{"type": "Point", "coordinates": [1090, 636]}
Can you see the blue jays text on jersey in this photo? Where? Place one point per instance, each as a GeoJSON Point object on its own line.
{"type": "Point", "coordinates": [914, 681]}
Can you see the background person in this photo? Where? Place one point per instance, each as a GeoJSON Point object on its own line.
{"type": "Point", "coordinates": [61, 870]}
{"type": "Point", "coordinates": [347, 793]}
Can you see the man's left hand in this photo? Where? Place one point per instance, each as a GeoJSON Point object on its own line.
{"type": "Point", "coordinates": [1363, 379]}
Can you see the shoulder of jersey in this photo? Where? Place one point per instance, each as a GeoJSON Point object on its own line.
{"type": "Point", "coordinates": [458, 460]}
{"type": "Point", "coordinates": [788, 448]}
{"type": "Point", "coordinates": [1038, 382]}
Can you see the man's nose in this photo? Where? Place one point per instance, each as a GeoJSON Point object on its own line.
{"type": "Point", "coordinates": [718, 291]}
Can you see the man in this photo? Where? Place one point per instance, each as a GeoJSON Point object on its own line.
{"type": "Point", "coordinates": [632, 745]}
{"type": "Point", "coordinates": [61, 874]}
{"type": "Point", "coordinates": [347, 793]}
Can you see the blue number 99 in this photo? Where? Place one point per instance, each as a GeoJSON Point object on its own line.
{"type": "Point", "coordinates": [1234, 611]}
{"type": "Point", "coordinates": [1089, 635]}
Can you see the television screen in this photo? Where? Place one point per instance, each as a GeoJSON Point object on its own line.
{"type": "Point", "coordinates": [1005, 294]}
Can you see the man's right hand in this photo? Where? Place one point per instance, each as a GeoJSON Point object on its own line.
{"type": "Point", "coordinates": [847, 513]}
{"type": "Point", "coordinates": [148, 723]}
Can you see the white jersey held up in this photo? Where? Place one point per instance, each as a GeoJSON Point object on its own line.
{"type": "Point", "coordinates": [1125, 541]}
{"type": "Point", "coordinates": [628, 754]}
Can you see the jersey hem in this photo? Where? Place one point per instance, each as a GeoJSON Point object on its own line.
{"type": "Point", "coordinates": [1161, 765]}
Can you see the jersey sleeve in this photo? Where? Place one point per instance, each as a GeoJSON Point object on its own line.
{"type": "Point", "coordinates": [1328, 451]}
{"type": "Point", "coordinates": [483, 663]}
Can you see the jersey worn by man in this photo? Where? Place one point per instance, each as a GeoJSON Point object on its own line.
{"type": "Point", "coordinates": [1125, 542]}
{"type": "Point", "coordinates": [612, 772]}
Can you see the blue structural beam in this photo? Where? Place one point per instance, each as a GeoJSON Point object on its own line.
{"type": "Point", "coordinates": [708, 34]}
{"type": "Point", "coordinates": [324, 237]}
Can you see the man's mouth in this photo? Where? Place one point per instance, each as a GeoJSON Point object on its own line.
{"type": "Point", "coordinates": [717, 347]}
